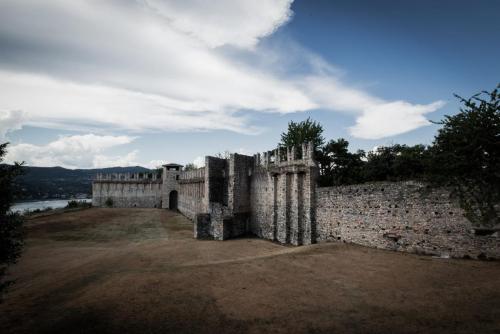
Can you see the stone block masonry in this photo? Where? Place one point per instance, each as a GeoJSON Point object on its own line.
{"type": "Point", "coordinates": [402, 216]}
{"type": "Point", "coordinates": [274, 195]}
{"type": "Point", "coordinates": [191, 185]}
{"type": "Point", "coordinates": [141, 190]}
{"type": "Point", "coordinates": [282, 196]}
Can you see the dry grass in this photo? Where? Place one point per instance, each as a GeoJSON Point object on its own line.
{"type": "Point", "coordinates": [140, 271]}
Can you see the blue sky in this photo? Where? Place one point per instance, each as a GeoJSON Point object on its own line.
{"type": "Point", "coordinates": [104, 83]}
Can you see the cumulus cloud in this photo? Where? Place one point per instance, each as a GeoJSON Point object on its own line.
{"type": "Point", "coordinates": [79, 151]}
{"type": "Point", "coordinates": [165, 65]}
{"type": "Point", "coordinates": [375, 117]}
{"type": "Point", "coordinates": [392, 118]}
{"type": "Point", "coordinates": [78, 52]}
{"type": "Point", "coordinates": [10, 121]}
{"type": "Point", "coordinates": [216, 23]}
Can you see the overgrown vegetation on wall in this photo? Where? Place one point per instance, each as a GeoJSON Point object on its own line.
{"type": "Point", "coordinates": [465, 155]}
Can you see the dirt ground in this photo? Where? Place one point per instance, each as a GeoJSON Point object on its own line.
{"type": "Point", "coordinates": [140, 271]}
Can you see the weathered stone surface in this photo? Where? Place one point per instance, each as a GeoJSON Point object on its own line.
{"type": "Point", "coordinates": [128, 194]}
{"type": "Point", "coordinates": [192, 192]}
{"type": "Point", "coordinates": [401, 216]}
{"type": "Point", "coordinates": [274, 196]}
{"type": "Point", "coordinates": [202, 226]}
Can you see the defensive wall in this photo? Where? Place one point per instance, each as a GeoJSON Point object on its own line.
{"type": "Point", "coordinates": [192, 192]}
{"type": "Point", "coordinates": [274, 196]}
{"type": "Point", "coordinates": [402, 216]}
{"type": "Point", "coordinates": [127, 190]}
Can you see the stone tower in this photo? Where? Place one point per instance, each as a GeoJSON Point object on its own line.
{"type": "Point", "coordinates": [170, 188]}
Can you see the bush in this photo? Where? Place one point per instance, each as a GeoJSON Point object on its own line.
{"type": "Point", "coordinates": [109, 202]}
{"type": "Point", "coordinates": [73, 204]}
{"type": "Point", "coordinates": [466, 156]}
{"type": "Point", "coordinates": [11, 235]}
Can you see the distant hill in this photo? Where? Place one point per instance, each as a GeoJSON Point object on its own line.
{"type": "Point", "coordinates": [57, 182]}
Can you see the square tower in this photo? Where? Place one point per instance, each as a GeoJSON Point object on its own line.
{"type": "Point", "coordinates": [170, 187]}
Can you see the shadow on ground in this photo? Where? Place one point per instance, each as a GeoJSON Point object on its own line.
{"type": "Point", "coordinates": [140, 271]}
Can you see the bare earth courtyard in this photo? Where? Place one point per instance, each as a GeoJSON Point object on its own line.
{"type": "Point", "coordinates": [141, 271]}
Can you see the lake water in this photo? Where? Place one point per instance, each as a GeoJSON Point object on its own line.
{"type": "Point", "coordinates": [33, 205]}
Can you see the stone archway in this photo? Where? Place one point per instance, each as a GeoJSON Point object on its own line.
{"type": "Point", "coordinates": [172, 200]}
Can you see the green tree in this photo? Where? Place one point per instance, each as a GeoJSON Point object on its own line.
{"type": "Point", "coordinates": [303, 132]}
{"type": "Point", "coordinates": [11, 231]}
{"type": "Point", "coordinates": [380, 164]}
{"type": "Point", "coordinates": [395, 163]}
{"type": "Point", "coordinates": [223, 155]}
{"type": "Point", "coordinates": [190, 166]}
{"type": "Point", "coordinates": [411, 162]}
{"type": "Point", "coordinates": [339, 166]}
{"type": "Point", "coordinates": [466, 156]}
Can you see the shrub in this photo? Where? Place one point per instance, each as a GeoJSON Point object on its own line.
{"type": "Point", "coordinates": [109, 202]}
{"type": "Point", "coordinates": [73, 204]}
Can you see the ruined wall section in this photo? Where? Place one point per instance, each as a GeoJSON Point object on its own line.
{"type": "Point", "coordinates": [208, 223]}
{"type": "Point", "coordinates": [238, 204]}
{"type": "Point", "coordinates": [402, 216]}
{"type": "Point", "coordinates": [216, 170]}
{"type": "Point", "coordinates": [192, 192]}
{"type": "Point", "coordinates": [282, 195]}
{"type": "Point", "coordinates": [128, 190]}
{"type": "Point", "coordinates": [262, 199]}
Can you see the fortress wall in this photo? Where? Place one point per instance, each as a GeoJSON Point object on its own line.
{"type": "Point", "coordinates": [127, 194]}
{"type": "Point", "coordinates": [216, 181]}
{"type": "Point", "coordinates": [238, 202]}
{"type": "Point", "coordinates": [282, 196]}
{"type": "Point", "coordinates": [192, 192]}
{"type": "Point", "coordinates": [402, 216]}
{"type": "Point", "coordinates": [262, 199]}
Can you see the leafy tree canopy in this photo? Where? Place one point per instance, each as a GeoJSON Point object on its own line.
{"type": "Point", "coordinates": [190, 166]}
{"type": "Point", "coordinates": [466, 155]}
{"type": "Point", "coordinates": [303, 132]}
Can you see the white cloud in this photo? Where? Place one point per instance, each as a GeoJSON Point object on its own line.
{"type": "Point", "coordinates": [64, 104]}
{"type": "Point", "coordinates": [216, 23]}
{"type": "Point", "coordinates": [375, 117]}
{"type": "Point", "coordinates": [151, 65]}
{"type": "Point", "coordinates": [10, 121]}
{"type": "Point", "coordinates": [80, 151]}
{"type": "Point", "coordinates": [151, 77]}
{"type": "Point", "coordinates": [199, 161]}
{"type": "Point", "coordinates": [392, 118]}
{"type": "Point", "coordinates": [155, 163]}
{"type": "Point", "coordinates": [102, 161]}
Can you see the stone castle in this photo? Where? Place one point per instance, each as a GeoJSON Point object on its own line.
{"type": "Point", "coordinates": [275, 196]}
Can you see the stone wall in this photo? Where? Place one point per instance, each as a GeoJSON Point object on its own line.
{"type": "Point", "coordinates": [274, 196]}
{"type": "Point", "coordinates": [401, 216]}
{"type": "Point", "coordinates": [282, 196]}
{"type": "Point", "coordinates": [238, 205]}
{"type": "Point", "coordinates": [263, 201]}
{"type": "Point", "coordinates": [216, 171]}
{"type": "Point", "coordinates": [128, 190]}
{"type": "Point", "coordinates": [192, 192]}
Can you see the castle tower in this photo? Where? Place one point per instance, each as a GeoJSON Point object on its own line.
{"type": "Point", "coordinates": [170, 187]}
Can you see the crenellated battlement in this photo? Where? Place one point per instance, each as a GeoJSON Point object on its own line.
{"type": "Point", "coordinates": [192, 174]}
{"type": "Point", "coordinates": [286, 156]}
{"type": "Point", "coordinates": [129, 177]}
